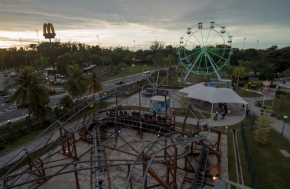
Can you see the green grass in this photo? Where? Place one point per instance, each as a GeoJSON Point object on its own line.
{"type": "Point", "coordinates": [131, 70]}
{"type": "Point", "coordinates": [19, 142]}
{"type": "Point", "coordinates": [277, 105]}
{"type": "Point", "coordinates": [248, 94]}
{"type": "Point", "coordinates": [271, 166]}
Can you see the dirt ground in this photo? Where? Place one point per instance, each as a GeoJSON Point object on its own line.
{"type": "Point", "coordinates": [127, 147]}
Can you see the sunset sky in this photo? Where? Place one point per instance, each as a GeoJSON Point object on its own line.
{"type": "Point", "coordinates": [121, 22]}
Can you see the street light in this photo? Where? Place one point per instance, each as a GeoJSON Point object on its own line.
{"type": "Point", "coordinates": [98, 40]}
{"type": "Point", "coordinates": [285, 117]}
{"type": "Point", "coordinates": [133, 66]}
{"type": "Point", "coordinates": [12, 62]}
{"type": "Point", "coordinates": [123, 74]}
{"type": "Point", "coordinates": [244, 44]}
{"type": "Point", "coordinates": [257, 45]}
{"type": "Point", "coordinates": [25, 59]}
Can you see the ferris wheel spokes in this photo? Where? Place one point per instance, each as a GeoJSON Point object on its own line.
{"type": "Point", "coordinates": [217, 55]}
{"type": "Point", "coordinates": [205, 52]}
{"type": "Point", "coordinates": [192, 66]}
{"type": "Point", "coordinates": [207, 36]}
{"type": "Point", "coordinates": [192, 43]}
{"type": "Point", "coordinates": [196, 39]}
{"type": "Point", "coordinates": [192, 63]}
{"type": "Point", "coordinates": [213, 37]}
{"type": "Point", "coordinates": [217, 74]}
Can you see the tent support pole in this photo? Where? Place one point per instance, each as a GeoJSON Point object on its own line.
{"type": "Point", "coordinates": [211, 108]}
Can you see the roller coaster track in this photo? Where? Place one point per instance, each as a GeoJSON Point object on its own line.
{"type": "Point", "coordinates": [45, 141]}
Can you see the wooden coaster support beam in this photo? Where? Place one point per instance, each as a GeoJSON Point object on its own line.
{"type": "Point", "coordinates": [68, 143]}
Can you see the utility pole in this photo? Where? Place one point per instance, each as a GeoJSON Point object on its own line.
{"type": "Point", "coordinates": [98, 40]}
{"type": "Point", "coordinates": [36, 31]}
{"type": "Point", "coordinates": [244, 44]}
{"type": "Point", "coordinates": [12, 62]}
{"type": "Point", "coordinates": [134, 45]}
{"type": "Point", "coordinates": [257, 45]}
{"type": "Point", "coordinates": [25, 59]}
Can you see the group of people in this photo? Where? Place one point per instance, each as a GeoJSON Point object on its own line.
{"type": "Point", "coordinates": [225, 110]}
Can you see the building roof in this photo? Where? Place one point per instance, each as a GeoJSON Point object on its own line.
{"type": "Point", "coordinates": [213, 95]}
{"type": "Point", "coordinates": [89, 67]}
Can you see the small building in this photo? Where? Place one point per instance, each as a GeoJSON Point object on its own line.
{"type": "Point", "coordinates": [49, 71]}
{"type": "Point", "coordinates": [157, 104]}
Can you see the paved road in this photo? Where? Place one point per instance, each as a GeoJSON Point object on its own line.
{"type": "Point", "coordinates": [9, 111]}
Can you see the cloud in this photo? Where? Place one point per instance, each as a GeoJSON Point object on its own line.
{"type": "Point", "coordinates": [147, 20]}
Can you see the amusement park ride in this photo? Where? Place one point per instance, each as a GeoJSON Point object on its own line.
{"type": "Point", "coordinates": [205, 49]}
{"type": "Point", "coordinates": [149, 151]}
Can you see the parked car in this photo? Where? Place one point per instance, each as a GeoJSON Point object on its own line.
{"type": "Point", "coordinates": [12, 74]}
{"type": "Point", "coordinates": [119, 83]}
{"type": "Point", "coordinates": [7, 99]}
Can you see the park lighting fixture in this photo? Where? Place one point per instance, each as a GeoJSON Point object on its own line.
{"type": "Point", "coordinates": [285, 117]}
{"type": "Point", "coordinates": [118, 131]}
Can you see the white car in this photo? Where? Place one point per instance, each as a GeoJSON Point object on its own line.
{"type": "Point", "coordinates": [12, 74]}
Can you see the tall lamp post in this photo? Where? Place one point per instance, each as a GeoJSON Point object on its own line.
{"type": "Point", "coordinates": [123, 75]}
{"type": "Point", "coordinates": [244, 44]}
{"type": "Point", "coordinates": [12, 62]}
{"type": "Point", "coordinates": [257, 45]}
{"type": "Point", "coordinates": [133, 66]}
{"type": "Point", "coordinates": [285, 117]}
{"type": "Point", "coordinates": [25, 59]}
{"type": "Point", "coordinates": [98, 40]}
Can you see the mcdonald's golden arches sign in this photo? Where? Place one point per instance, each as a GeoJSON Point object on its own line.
{"type": "Point", "coordinates": [48, 30]}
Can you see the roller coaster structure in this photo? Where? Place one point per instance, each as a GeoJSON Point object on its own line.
{"type": "Point", "coordinates": [60, 141]}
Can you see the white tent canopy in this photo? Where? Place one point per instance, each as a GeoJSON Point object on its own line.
{"type": "Point", "coordinates": [213, 95]}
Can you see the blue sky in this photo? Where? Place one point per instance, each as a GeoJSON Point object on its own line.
{"type": "Point", "coordinates": [121, 22]}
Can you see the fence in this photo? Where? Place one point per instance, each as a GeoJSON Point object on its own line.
{"type": "Point", "coordinates": [251, 167]}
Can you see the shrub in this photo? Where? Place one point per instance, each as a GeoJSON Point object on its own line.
{"type": "Point", "coordinates": [279, 92]}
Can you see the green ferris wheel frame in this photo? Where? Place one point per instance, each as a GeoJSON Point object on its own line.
{"type": "Point", "coordinates": [205, 48]}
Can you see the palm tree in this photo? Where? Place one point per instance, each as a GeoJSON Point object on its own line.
{"type": "Point", "coordinates": [239, 72]}
{"type": "Point", "coordinates": [30, 89]}
{"type": "Point", "coordinates": [95, 84]}
{"type": "Point", "coordinates": [77, 82]}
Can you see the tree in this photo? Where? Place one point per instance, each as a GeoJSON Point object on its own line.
{"type": "Point", "coordinates": [263, 126]}
{"type": "Point", "coordinates": [30, 89]}
{"type": "Point", "coordinates": [238, 73]}
{"type": "Point", "coordinates": [267, 73]}
{"type": "Point", "coordinates": [95, 84]}
{"type": "Point", "coordinates": [77, 82]}
{"type": "Point", "coordinates": [157, 46]}
{"type": "Point", "coordinates": [168, 62]}
{"type": "Point", "coordinates": [286, 73]}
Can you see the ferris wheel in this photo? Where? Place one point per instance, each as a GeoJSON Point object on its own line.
{"type": "Point", "coordinates": [205, 48]}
